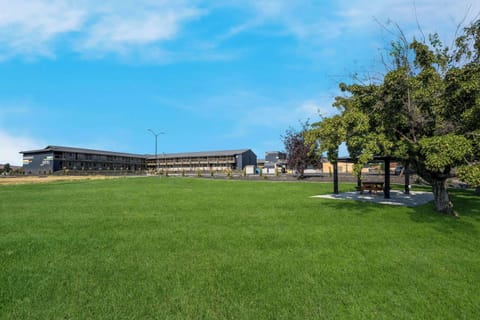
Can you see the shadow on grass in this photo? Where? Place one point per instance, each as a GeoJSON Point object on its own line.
{"type": "Point", "coordinates": [466, 203]}
{"type": "Point", "coordinates": [442, 223]}
{"type": "Point", "coordinates": [351, 206]}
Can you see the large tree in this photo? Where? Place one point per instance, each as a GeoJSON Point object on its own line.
{"type": "Point", "coordinates": [424, 111]}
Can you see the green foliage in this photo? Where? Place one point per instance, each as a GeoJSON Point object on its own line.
{"type": "Point", "coordinates": [6, 168]}
{"type": "Point", "coordinates": [330, 132]}
{"type": "Point", "coordinates": [301, 150]}
{"type": "Point", "coordinates": [424, 112]}
{"type": "Point", "coordinates": [442, 153]}
{"type": "Point", "coordinates": [470, 174]}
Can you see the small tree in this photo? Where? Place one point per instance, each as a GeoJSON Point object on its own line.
{"type": "Point", "coordinates": [301, 152]}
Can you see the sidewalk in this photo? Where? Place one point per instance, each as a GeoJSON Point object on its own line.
{"type": "Point", "coordinates": [397, 198]}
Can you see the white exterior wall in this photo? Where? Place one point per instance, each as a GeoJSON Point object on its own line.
{"type": "Point", "coordinates": [250, 169]}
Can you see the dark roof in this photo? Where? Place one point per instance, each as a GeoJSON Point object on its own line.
{"type": "Point", "coordinates": [224, 153]}
{"type": "Point", "coordinates": [81, 150]}
{"type": "Point", "coordinates": [160, 155]}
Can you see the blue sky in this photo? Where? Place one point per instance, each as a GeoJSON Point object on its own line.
{"type": "Point", "coordinates": [213, 75]}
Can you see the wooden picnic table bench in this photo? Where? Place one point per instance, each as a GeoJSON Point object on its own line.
{"type": "Point", "coordinates": [370, 186]}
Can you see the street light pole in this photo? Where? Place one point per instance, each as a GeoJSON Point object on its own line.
{"type": "Point", "coordinates": [156, 139]}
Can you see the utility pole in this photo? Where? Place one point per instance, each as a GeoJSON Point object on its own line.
{"type": "Point", "coordinates": [156, 134]}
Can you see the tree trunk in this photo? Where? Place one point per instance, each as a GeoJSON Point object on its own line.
{"type": "Point", "coordinates": [442, 200]}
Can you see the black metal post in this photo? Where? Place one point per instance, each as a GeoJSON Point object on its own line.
{"type": "Point", "coordinates": [335, 177]}
{"type": "Point", "coordinates": [407, 179]}
{"type": "Point", "coordinates": [386, 191]}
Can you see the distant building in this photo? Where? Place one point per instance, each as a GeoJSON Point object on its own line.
{"type": "Point", "coordinates": [275, 157]}
{"type": "Point", "coordinates": [371, 168]}
{"type": "Point", "coordinates": [204, 161]}
{"type": "Point", "coordinates": [56, 158]}
{"type": "Point", "coordinates": [260, 163]}
{"type": "Point", "coordinates": [275, 160]}
{"type": "Point", "coordinates": [343, 167]}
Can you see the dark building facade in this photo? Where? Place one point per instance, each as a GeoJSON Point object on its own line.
{"type": "Point", "coordinates": [275, 159]}
{"type": "Point", "coordinates": [275, 156]}
{"type": "Point", "coordinates": [56, 158]}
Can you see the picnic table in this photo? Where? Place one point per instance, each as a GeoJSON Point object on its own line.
{"type": "Point", "coordinates": [371, 186]}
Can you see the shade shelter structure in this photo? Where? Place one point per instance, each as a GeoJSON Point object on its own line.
{"type": "Point", "coordinates": [386, 183]}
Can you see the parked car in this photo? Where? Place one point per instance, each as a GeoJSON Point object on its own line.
{"type": "Point", "coordinates": [399, 169]}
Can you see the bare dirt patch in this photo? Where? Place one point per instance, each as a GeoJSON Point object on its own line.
{"type": "Point", "coordinates": [45, 179]}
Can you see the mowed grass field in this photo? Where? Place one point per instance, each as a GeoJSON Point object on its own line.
{"type": "Point", "coordinates": [173, 248]}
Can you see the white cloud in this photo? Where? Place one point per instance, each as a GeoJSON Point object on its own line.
{"type": "Point", "coordinates": [311, 109]}
{"type": "Point", "coordinates": [12, 144]}
{"type": "Point", "coordinates": [315, 21]}
{"type": "Point", "coordinates": [117, 31]}
{"type": "Point", "coordinates": [432, 15]}
{"type": "Point", "coordinates": [301, 18]}
{"type": "Point", "coordinates": [31, 28]}
{"type": "Point", "coordinates": [15, 139]}
{"type": "Point", "coordinates": [291, 113]}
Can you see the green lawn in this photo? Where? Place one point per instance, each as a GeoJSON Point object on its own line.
{"type": "Point", "coordinates": [173, 248]}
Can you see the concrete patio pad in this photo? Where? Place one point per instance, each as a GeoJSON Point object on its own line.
{"type": "Point", "coordinates": [397, 198]}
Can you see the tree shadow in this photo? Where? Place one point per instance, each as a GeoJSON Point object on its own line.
{"type": "Point", "coordinates": [353, 206]}
{"type": "Point", "coordinates": [465, 203]}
